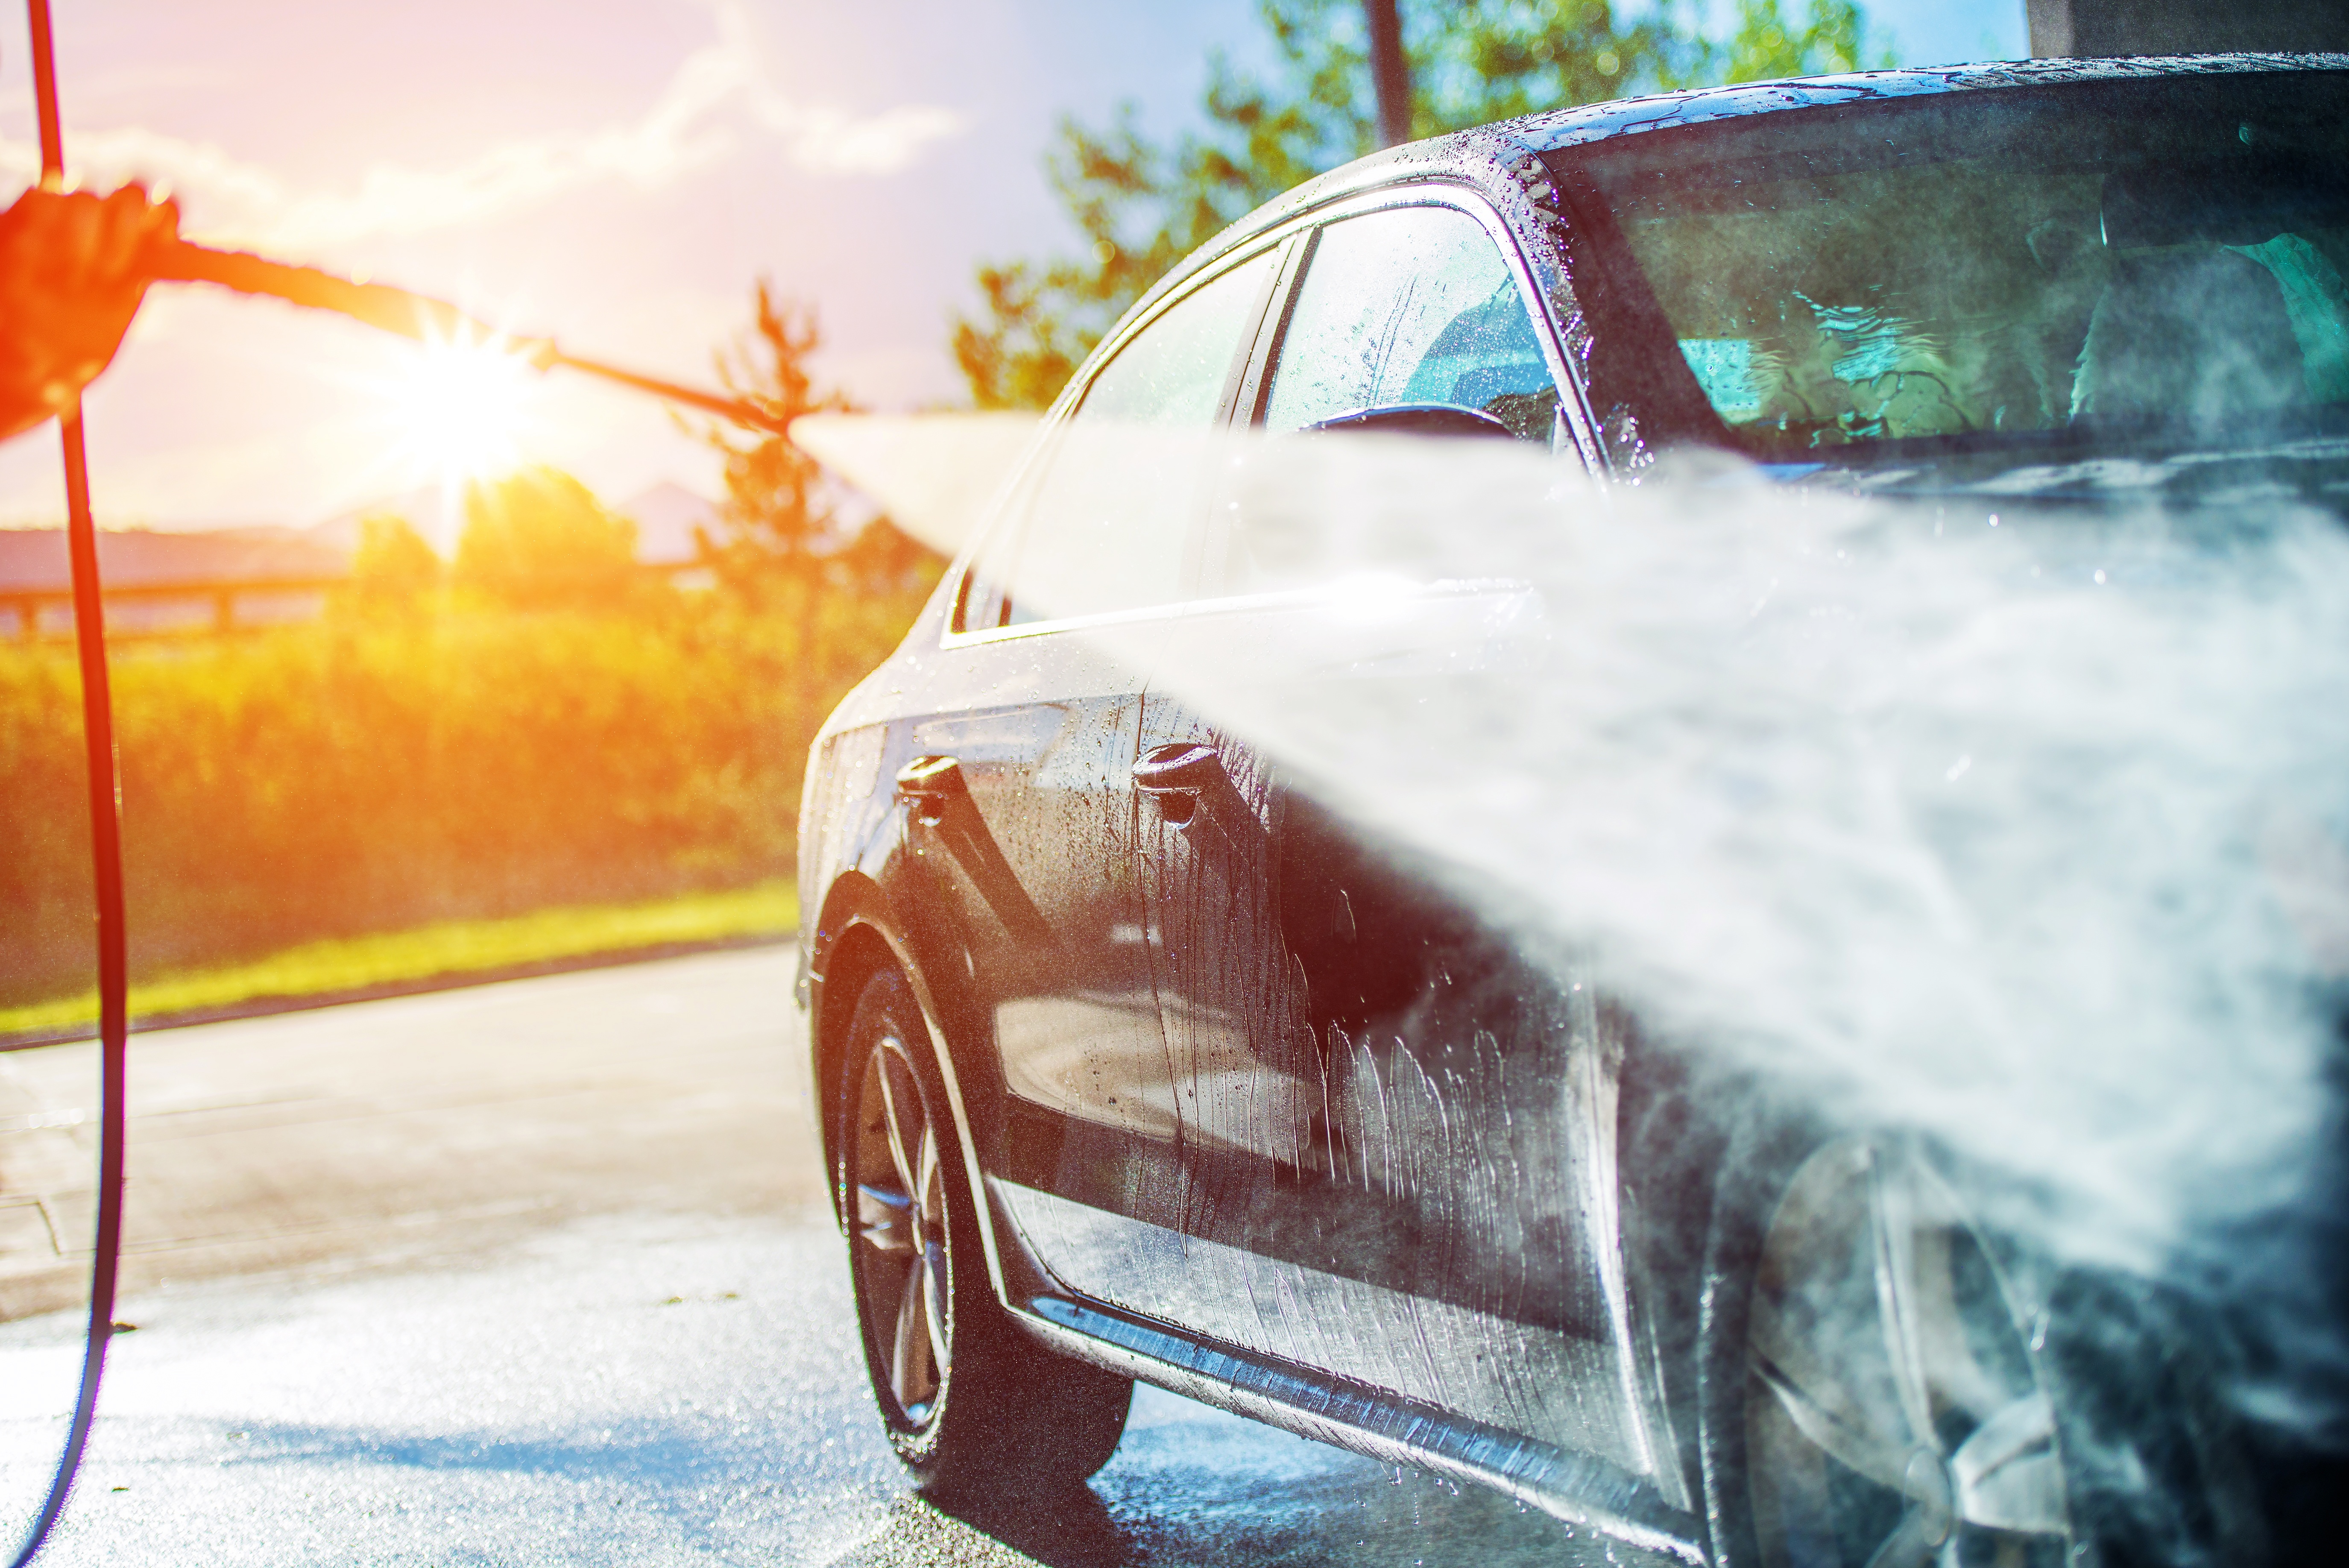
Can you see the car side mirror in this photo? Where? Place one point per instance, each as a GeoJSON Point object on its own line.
{"type": "Point", "coordinates": [1417, 419]}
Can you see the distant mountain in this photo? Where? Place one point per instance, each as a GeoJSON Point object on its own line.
{"type": "Point", "coordinates": [36, 557]}
{"type": "Point", "coordinates": [422, 507]}
{"type": "Point", "coordinates": [666, 516]}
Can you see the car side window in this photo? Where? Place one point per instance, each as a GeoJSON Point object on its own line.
{"type": "Point", "coordinates": [1410, 305]}
{"type": "Point", "coordinates": [1105, 525]}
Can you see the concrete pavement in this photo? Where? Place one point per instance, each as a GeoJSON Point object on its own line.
{"type": "Point", "coordinates": [538, 1273]}
{"type": "Point", "coordinates": [394, 1133]}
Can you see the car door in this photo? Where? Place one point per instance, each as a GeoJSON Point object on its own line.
{"type": "Point", "coordinates": [1386, 1117]}
{"type": "Point", "coordinates": [1022, 799]}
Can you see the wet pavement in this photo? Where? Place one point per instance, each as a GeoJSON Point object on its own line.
{"type": "Point", "coordinates": [658, 1369]}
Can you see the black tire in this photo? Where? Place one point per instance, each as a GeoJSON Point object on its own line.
{"type": "Point", "coordinates": [972, 1404]}
{"type": "Point", "coordinates": [1879, 1383]}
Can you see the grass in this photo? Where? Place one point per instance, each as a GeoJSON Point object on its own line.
{"type": "Point", "coordinates": [452, 948]}
{"type": "Point", "coordinates": [381, 771]}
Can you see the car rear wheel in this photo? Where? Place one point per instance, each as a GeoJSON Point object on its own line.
{"type": "Point", "coordinates": [1896, 1396]}
{"type": "Point", "coordinates": [971, 1403]}
{"type": "Point", "coordinates": [1895, 1413]}
{"type": "Point", "coordinates": [900, 1244]}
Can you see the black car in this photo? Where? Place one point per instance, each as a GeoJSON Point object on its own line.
{"type": "Point", "coordinates": [1135, 1061]}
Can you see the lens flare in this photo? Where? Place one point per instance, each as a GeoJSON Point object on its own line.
{"type": "Point", "coordinates": [461, 410]}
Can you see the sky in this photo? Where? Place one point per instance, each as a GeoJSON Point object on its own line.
{"type": "Point", "coordinates": [614, 173]}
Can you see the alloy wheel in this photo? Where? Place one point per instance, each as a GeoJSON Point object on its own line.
{"type": "Point", "coordinates": [1897, 1414]}
{"type": "Point", "coordinates": [903, 1270]}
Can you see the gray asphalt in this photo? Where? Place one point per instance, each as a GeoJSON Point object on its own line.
{"type": "Point", "coordinates": [534, 1273]}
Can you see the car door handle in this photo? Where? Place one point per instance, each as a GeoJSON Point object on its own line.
{"type": "Point", "coordinates": [928, 784]}
{"type": "Point", "coordinates": [940, 798]}
{"type": "Point", "coordinates": [1185, 767]}
{"type": "Point", "coordinates": [1174, 776]}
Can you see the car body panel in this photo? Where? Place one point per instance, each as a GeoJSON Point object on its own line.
{"type": "Point", "coordinates": [1363, 1187]}
{"type": "Point", "coordinates": [1325, 1237]}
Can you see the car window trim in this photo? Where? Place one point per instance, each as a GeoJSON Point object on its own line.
{"type": "Point", "coordinates": [1318, 596]}
{"type": "Point", "coordinates": [1272, 325]}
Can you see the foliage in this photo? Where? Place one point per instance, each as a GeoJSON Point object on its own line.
{"type": "Point", "coordinates": [369, 774]}
{"type": "Point", "coordinates": [779, 508]}
{"type": "Point", "coordinates": [782, 549]}
{"type": "Point", "coordinates": [1142, 206]}
{"type": "Point", "coordinates": [391, 558]}
{"type": "Point", "coordinates": [540, 538]}
{"type": "Point", "coordinates": [542, 724]}
{"type": "Point", "coordinates": [387, 959]}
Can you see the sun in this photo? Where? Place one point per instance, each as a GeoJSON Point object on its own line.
{"type": "Point", "coordinates": [461, 410]}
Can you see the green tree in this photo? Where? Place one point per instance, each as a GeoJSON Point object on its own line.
{"type": "Point", "coordinates": [778, 508]}
{"type": "Point", "coordinates": [1141, 206]}
{"type": "Point", "coordinates": [392, 566]}
{"type": "Point", "coordinates": [782, 545]}
{"type": "Point", "coordinates": [539, 539]}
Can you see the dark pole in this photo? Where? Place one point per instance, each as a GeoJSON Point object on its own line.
{"type": "Point", "coordinates": [1389, 73]}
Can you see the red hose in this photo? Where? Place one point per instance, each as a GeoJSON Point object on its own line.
{"type": "Point", "coordinates": [105, 864]}
{"type": "Point", "coordinates": [378, 305]}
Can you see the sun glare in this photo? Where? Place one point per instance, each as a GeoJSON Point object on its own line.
{"type": "Point", "coordinates": [461, 411]}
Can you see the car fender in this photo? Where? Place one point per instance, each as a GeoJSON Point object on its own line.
{"type": "Point", "coordinates": [865, 928]}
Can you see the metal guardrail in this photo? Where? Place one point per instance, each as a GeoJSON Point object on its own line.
{"type": "Point", "coordinates": [221, 594]}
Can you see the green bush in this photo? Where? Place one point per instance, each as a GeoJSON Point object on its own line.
{"type": "Point", "coordinates": [540, 538]}
{"type": "Point", "coordinates": [380, 768]}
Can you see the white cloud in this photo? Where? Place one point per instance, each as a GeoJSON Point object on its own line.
{"type": "Point", "coordinates": [714, 94]}
{"type": "Point", "coordinates": [830, 142]}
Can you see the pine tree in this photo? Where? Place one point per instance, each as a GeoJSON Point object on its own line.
{"type": "Point", "coordinates": [778, 508]}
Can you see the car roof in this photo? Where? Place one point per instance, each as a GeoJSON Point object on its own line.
{"type": "Point", "coordinates": [1485, 155]}
{"type": "Point", "coordinates": [1598, 122]}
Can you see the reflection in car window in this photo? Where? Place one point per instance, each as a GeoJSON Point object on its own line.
{"type": "Point", "coordinates": [1413, 305]}
{"type": "Point", "coordinates": [2138, 254]}
{"type": "Point", "coordinates": [1105, 526]}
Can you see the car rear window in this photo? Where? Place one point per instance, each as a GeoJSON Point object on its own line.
{"type": "Point", "coordinates": [2096, 256]}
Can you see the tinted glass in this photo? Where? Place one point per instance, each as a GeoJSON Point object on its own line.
{"type": "Point", "coordinates": [1106, 525]}
{"type": "Point", "coordinates": [1415, 305]}
{"type": "Point", "coordinates": [2102, 258]}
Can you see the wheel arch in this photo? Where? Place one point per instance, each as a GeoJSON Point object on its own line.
{"type": "Point", "coordinates": [857, 954]}
{"type": "Point", "coordinates": [1688, 1140]}
{"type": "Point", "coordinates": [870, 937]}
